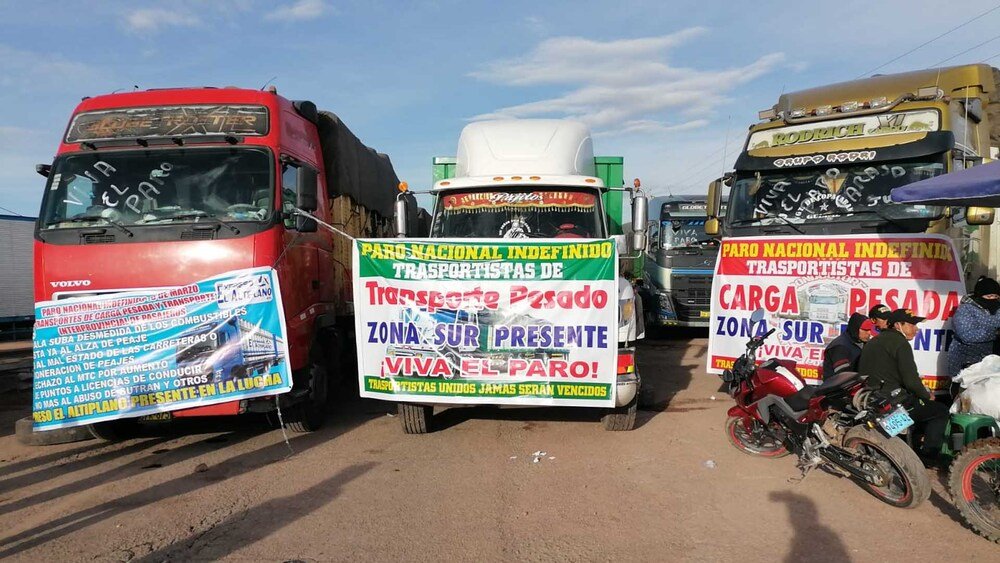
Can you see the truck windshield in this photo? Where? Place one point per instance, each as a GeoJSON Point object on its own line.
{"type": "Point", "coordinates": [158, 186]}
{"type": "Point", "coordinates": [829, 193]}
{"type": "Point", "coordinates": [519, 213]}
{"type": "Point", "coordinates": [683, 231]}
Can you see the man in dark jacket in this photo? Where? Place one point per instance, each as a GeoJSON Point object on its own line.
{"type": "Point", "coordinates": [842, 353]}
{"type": "Point", "coordinates": [888, 360]}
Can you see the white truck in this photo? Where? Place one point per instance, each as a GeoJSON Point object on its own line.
{"type": "Point", "coordinates": [525, 165]}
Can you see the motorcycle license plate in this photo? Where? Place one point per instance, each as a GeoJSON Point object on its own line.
{"type": "Point", "coordinates": [896, 422]}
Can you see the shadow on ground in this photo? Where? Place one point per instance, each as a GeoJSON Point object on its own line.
{"type": "Point", "coordinates": [813, 541]}
{"type": "Point", "coordinates": [151, 451]}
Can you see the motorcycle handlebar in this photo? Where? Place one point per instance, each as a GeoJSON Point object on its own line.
{"type": "Point", "coordinates": [756, 341]}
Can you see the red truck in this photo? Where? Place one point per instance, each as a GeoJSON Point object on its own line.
{"type": "Point", "coordinates": [160, 188]}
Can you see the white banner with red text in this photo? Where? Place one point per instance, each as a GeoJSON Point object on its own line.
{"type": "Point", "coordinates": [810, 286]}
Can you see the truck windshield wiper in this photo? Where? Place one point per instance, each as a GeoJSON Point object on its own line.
{"type": "Point", "coordinates": [203, 215]}
{"type": "Point", "coordinates": [89, 218]}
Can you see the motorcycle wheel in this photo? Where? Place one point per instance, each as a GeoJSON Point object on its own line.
{"type": "Point", "coordinates": [974, 482]}
{"type": "Point", "coordinates": [746, 442]}
{"type": "Point", "coordinates": [906, 483]}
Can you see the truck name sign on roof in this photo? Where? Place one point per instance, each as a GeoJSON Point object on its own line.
{"type": "Point", "coordinates": [494, 200]}
{"type": "Point", "coordinates": [176, 121]}
{"type": "Point", "coordinates": [849, 128]}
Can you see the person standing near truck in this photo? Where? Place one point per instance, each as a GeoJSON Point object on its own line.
{"type": "Point", "coordinates": [888, 359]}
{"type": "Point", "coordinates": [975, 324]}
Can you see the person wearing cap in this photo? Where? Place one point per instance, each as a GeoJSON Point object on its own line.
{"type": "Point", "coordinates": [888, 362]}
{"type": "Point", "coordinates": [843, 352]}
{"type": "Point", "coordinates": [879, 315]}
{"type": "Point", "coordinates": [975, 324]}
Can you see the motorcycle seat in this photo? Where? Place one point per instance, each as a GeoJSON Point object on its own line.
{"type": "Point", "coordinates": [799, 401]}
{"type": "Point", "coordinates": [838, 381]}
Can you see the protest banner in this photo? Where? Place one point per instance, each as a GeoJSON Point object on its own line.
{"type": "Point", "coordinates": [810, 286]}
{"type": "Point", "coordinates": [135, 353]}
{"type": "Point", "coordinates": [523, 323]}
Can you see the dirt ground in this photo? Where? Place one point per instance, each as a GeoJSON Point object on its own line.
{"type": "Point", "coordinates": [362, 490]}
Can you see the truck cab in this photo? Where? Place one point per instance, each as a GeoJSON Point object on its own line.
{"type": "Point", "coordinates": [539, 179]}
{"type": "Point", "coordinates": [160, 188]}
{"type": "Point", "coordinates": [679, 265]}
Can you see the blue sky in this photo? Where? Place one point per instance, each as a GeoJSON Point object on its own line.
{"type": "Point", "coordinates": [663, 83]}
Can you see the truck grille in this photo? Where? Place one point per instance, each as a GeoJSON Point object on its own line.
{"type": "Point", "coordinates": [198, 235]}
{"type": "Point", "coordinates": [98, 239]}
{"type": "Point", "coordinates": [692, 295]}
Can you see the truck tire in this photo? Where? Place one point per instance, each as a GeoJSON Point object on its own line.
{"type": "Point", "coordinates": [114, 430]}
{"type": "Point", "coordinates": [309, 414]}
{"type": "Point", "coordinates": [416, 419]}
{"type": "Point", "coordinates": [622, 418]}
{"type": "Point", "coordinates": [26, 435]}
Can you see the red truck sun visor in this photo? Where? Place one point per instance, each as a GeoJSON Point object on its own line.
{"type": "Point", "coordinates": [164, 121]}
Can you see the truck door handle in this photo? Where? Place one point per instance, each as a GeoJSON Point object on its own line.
{"type": "Point", "coordinates": [315, 284]}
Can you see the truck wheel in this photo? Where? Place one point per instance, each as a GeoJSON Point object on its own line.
{"type": "Point", "coordinates": [114, 430]}
{"type": "Point", "coordinates": [416, 419]}
{"type": "Point", "coordinates": [308, 415]}
{"type": "Point", "coordinates": [26, 435]}
{"type": "Point", "coordinates": [622, 418]}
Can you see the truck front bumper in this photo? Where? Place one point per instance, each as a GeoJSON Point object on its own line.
{"type": "Point", "coordinates": [668, 313]}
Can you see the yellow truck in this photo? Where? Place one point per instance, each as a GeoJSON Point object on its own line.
{"type": "Point", "coordinates": [810, 196]}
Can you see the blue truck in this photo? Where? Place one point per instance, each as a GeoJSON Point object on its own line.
{"type": "Point", "coordinates": [678, 268]}
{"type": "Point", "coordinates": [232, 349]}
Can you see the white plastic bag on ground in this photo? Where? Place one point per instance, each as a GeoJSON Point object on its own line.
{"type": "Point", "coordinates": [981, 384]}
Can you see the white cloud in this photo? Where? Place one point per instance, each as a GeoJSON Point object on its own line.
{"type": "Point", "coordinates": [653, 126]}
{"type": "Point", "coordinates": [150, 20]}
{"type": "Point", "coordinates": [623, 86]}
{"type": "Point", "coordinates": [29, 71]}
{"type": "Point", "coordinates": [299, 10]}
{"type": "Point", "coordinates": [535, 25]}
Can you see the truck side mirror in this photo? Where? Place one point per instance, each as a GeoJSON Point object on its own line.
{"type": "Point", "coordinates": [714, 198]}
{"type": "Point", "coordinates": [43, 169]}
{"type": "Point", "coordinates": [307, 197]}
{"type": "Point", "coordinates": [712, 227]}
{"type": "Point", "coordinates": [640, 220]}
{"type": "Point", "coordinates": [979, 215]}
{"type": "Point", "coordinates": [305, 224]}
{"type": "Point", "coordinates": [402, 214]}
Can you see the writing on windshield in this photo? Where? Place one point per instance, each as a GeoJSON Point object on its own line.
{"type": "Point", "coordinates": [148, 187]}
{"type": "Point", "coordinates": [829, 192]}
{"type": "Point", "coordinates": [675, 233]}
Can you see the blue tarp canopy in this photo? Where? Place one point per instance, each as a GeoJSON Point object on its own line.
{"type": "Point", "coordinates": [978, 186]}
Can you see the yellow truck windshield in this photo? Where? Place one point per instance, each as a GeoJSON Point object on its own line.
{"type": "Point", "coordinates": [829, 193]}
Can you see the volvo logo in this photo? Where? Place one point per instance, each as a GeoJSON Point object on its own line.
{"type": "Point", "coordinates": [70, 283]}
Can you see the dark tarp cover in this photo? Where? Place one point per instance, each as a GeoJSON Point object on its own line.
{"type": "Point", "coordinates": [976, 186]}
{"type": "Point", "coordinates": [354, 169]}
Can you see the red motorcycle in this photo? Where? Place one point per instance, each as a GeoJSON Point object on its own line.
{"type": "Point", "coordinates": [842, 425]}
